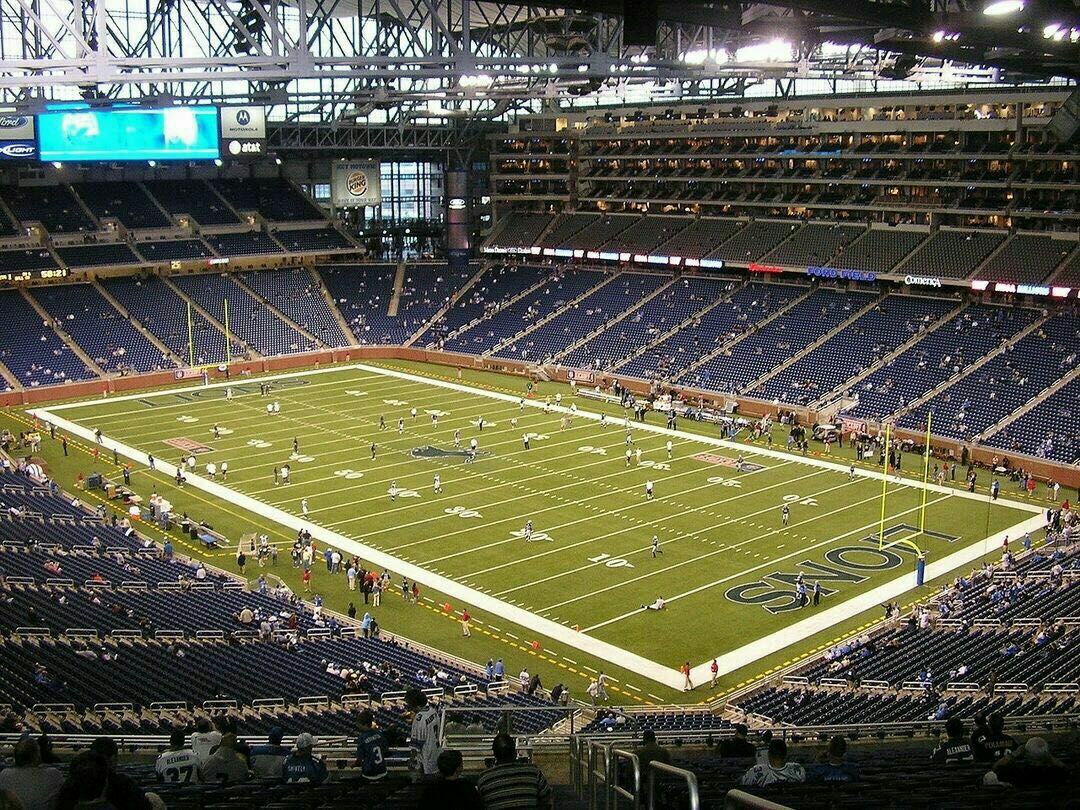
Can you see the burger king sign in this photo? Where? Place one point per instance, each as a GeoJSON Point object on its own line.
{"type": "Point", "coordinates": [356, 183]}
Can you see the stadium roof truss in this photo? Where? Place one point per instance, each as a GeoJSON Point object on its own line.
{"type": "Point", "coordinates": [428, 61]}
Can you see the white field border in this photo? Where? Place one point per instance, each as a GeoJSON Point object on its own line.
{"type": "Point", "coordinates": [728, 662]}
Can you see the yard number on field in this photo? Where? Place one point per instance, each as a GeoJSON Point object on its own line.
{"type": "Point", "coordinates": [611, 562]}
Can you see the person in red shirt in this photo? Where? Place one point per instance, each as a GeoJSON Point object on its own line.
{"type": "Point", "coordinates": [307, 581]}
{"type": "Point", "coordinates": [685, 670]}
{"type": "Point", "coordinates": [714, 669]}
{"type": "Point", "coordinates": [465, 618]}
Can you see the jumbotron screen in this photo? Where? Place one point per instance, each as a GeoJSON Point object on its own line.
{"type": "Point", "coordinates": [128, 133]}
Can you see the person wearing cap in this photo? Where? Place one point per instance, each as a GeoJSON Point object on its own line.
{"type": "Point", "coordinates": [226, 765]}
{"type": "Point", "coordinates": [450, 791]}
{"type": "Point", "coordinates": [371, 747]}
{"type": "Point", "coordinates": [267, 761]}
{"type": "Point", "coordinates": [649, 751]}
{"type": "Point", "coordinates": [301, 765]}
{"type": "Point", "coordinates": [737, 746]}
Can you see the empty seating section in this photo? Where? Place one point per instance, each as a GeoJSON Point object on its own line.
{"type": "Point", "coordinates": [947, 351]}
{"type": "Point", "coordinates": [1048, 430]}
{"type": "Point", "coordinates": [16, 261]}
{"type": "Point", "coordinates": [754, 240]}
{"type": "Point", "coordinates": [362, 294]}
{"type": "Point", "coordinates": [275, 199]}
{"type": "Point", "coordinates": [854, 348]}
{"type": "Point", "coordinates": [498, 284]}
{"type": "Point", "coordinates": [596, 233]}
{"type": "Point", "coordinates": [747, 307]}
{"type": "Point", "coordinates": [248, 318]}
{"type": "Point", "coordinates": [699, 238]}
{"type": "Point", "coordinates": [563, 286]}
{"type": "Point", "coordinates": [312, 239]}
{"type": "Point", "coordinates": [951, 254]}
{"type": "Point", "coordinates": [607, 302]}
{"type": "Point", "coordinates": [1069, 274]}
{"type": "Point", "coordinates": [1008, 381]}
{"type": "Point", "coordinates": [788, 334]}
{"type": "Point", "coordinates": [33, 352]}
{"type": "Point", "coordinates": [565, 226]}
{"type": "Point", "coordinates": [169, 250]}
{"type": "Point", "coordinates": [126, 202]}
{"type": "Point", "coordinates": [655, 317]}
{"type": "Point", "coordinates": [878, 250]}
{"type": "Point", "coordinates": [194, 198]}
{"type": "Point", "coordinates": [425, 290]}
{"type": "Point", "coordinates": [97, 255]}
{"type": "Point", "coordinates": [99, 329]}
{"type": "Point", "coordinates": [52, 206]}
{"type": "Point", "coordinates": [298, 296]}
{"type": "Point", "coordinates": [165, 314]}
{"type": "Point", "coordinates": [518, 229]}
{"type": "Point", "coordinates": [645, 235]}
{"type": "Point", "coordinates": [243, 243]}
{"type": "Point", "coordinates": [816, 244]}
{"type": "Point", "coordinates": [1026, 258]}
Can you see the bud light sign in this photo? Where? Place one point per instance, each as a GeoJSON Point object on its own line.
{"type": "Point", "coordinates": [18, 150]}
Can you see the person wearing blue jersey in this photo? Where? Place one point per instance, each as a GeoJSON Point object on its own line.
{"type": "Point", "coordinates": [301, 765]}
{"type": "Point", "coordinates": [371, 748]}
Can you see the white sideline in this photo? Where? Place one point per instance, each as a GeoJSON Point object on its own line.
{"type": "Point", "coordinates": [729, 661]}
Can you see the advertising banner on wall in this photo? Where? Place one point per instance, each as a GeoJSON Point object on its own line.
{"type": "Point", "coordinates": [17, 138]}
{"type": "Point", "coordinates": [243, 132]}
{"type": "Point", "coordinates": [356, 183]}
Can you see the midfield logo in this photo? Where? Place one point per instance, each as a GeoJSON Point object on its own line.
{"type": "Point", "coordinates": [430, 451]}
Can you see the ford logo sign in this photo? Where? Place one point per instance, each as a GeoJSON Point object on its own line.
{"type": "Point", "coordinates": [243, 117]}
{"type": "Point", "coordinates": [12, 121]}
{"type": "Point", "coordinates": [17, 150]}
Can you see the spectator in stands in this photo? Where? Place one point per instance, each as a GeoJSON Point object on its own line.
{"type": "Point", "coordinates": [122, 791]}
{"type": "Point", "coordinates": [737, 746]}
{"type": "Point", "coordinates": [372, 747]}
{"type": "Point", "coordinates": [831, 767]}
{"type": "Point", "coordinates": [177, 765]}
{"type": "Point", "coordinates": [996, 743]}
{"type": "Point", "coordinates": [226, 765]}
{"type": "Point", "coordinates": [88, 782]}
{"type": "Point", "coordinates": [450, 791]}
{"type": "Point", "coordinates": [30, 783]}
{"type": "Point", "coordinates": [424, 732]}
{"type": "Point", "coordinates": [1031, 765]}
{"type": "Point", "coordinates": [301, 765]}
{"type": "Point", "coordinates": [954, 748]}
{"type": "Point", "coordinates": [204, 738]}
{"type": "Point", "coordinates": [649, 751]}
{"type": "Point", "coordinates": [510, 784]}
{"type": "Point", "coordinates": [775, 770]}
{"type": "Point", "coordinates": [268, 760]}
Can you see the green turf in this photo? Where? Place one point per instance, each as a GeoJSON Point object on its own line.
{"type": "Point", "coordinates": [597, 569]}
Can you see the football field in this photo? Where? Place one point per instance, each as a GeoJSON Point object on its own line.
{"type": "Point", "coordinates": [727, 565]}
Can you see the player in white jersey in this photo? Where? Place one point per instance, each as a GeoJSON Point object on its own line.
{"type": "Point", "coordinates": [603, 420]}
{"type": "Point", "coordinates": [785, 514]}
{"type": "Point", "coordinates": [656, 546]}
{"type": "Point", "coordinates": [393, 490]}
{"type": "Point", "coordinates": [304, 506]}
{"type": "Point", "coordinates": [285, 470]}
{"type": "Point", "coordinates": [558, 399]}
{"type": "Point", "coordinates": [668, 448]}
{"type": "Point", "coordinates": [525, 440]}
{"type": "Point", "coordinates": [629, 455]}
{"type": "Point", "coordinates": [437, 484]}
{"type": "Point", "coordinates": [228, 394]}
{"type": "Point", "coordinates": [648, 490]}
{"type": "Point", "coordinates": [412, 413]}
{"type": "Point", "coordinates": [637, 455]}
{"type": "Point", "coordinates": [473, 444]}
{"type": "Point", "coordinates": [178, 765]}
{"type": "Point", "coordinates": [851, 472]}
{"type": "Point", "coordinates": [528, 530]}
{"type": "Point", "coordinates": [457, 438]}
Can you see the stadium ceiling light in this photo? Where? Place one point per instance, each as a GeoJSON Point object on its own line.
{"type": "Point", "coordinates": [582, 68]}
{"type": "Point", "coordinates": [152, 163]}
{"type": "Point", "coordinates": [1050, 30]}
{"type": "Point", "coordinates": [57, 164]}
{"type": "Point", "coordinates": [999, 8]}
{"type": "Point", "coordinates": [217, 162]}
{"type": "Point", "coordinates": [695, 57]}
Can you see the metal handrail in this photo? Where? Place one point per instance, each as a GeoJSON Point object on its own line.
{"type": "Point", "coordinates": [617, 790]}
{"type": "Point", "coordinates": [691, 783]}
{"type": "Point", "coordinates": [741, 800]}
